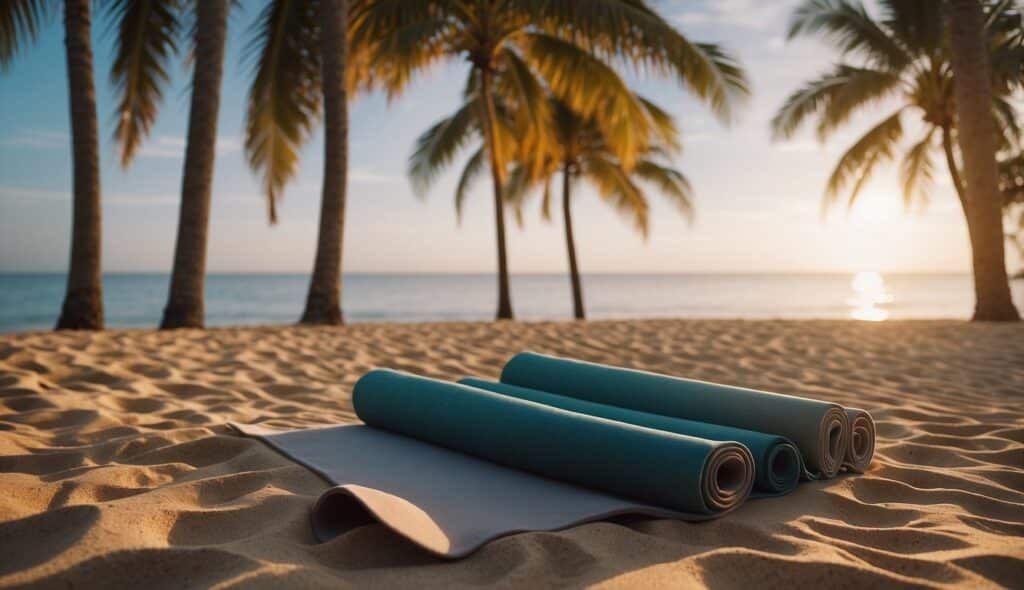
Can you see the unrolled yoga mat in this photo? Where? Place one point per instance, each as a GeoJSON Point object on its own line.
{"type": "Point", "coordinates": [777, 463]}
{"type": "Point", "coordinates": [446, 502]}
{"type": "Point", "coordinates": [450, 466]}
{"type": "Point", "coordinates": [821, 430]}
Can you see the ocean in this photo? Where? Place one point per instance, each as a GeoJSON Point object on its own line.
{"type": "Point", "coordinates": [32, 301]}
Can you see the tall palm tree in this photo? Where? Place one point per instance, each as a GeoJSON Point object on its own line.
{"type": "Point", "coordinates": [901, 56]}
{"type": "Point", "coordinates": [977, 138]}
{"type": "Point", "coordinates": [586, 152]}
{"type": "Point", "coordinates": [20, 21]}
{"type": "Point", "coordinates": [185, 301]}
{"type": "Point", "coordinates": [304, 56]}
{"type": "Point", "coordinates": [522, 40]}
{"type": "Point", "coordinates": [323, 303]}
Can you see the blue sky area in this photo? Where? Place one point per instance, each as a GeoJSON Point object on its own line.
{"type": "Point", "coordinates": [757, 202]}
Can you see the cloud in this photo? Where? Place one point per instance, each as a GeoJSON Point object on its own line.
{"type": "Point", "coordinates": [37, 138]}
{"type": "Point", "coordinates": [172, 146]}
{"type": "Point", "coordinates": [751, 14]}
{"type": "Point", "coordinates": [799, 145]}
{"type": "Point", "coordinates": [369, 177]}
{"type": "Point", "coordinates": [115, 199]}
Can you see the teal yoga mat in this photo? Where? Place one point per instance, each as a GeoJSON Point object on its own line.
{"type": "Point", "coordinates": [819, 429]}
{"type": "Point", "coordinates": [683, 473]}
{"type": "Point", "coordinates": [777, 463]}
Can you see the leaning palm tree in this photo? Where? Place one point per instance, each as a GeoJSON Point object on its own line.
{"type": "Point", "coordinates": [529, 41]}
{"type": "Point", "coordinates": [977, 136]}
{"type": "Point", "coordinates": [903, 56]}
{"type": "Point", "coordinates": [586, 152]}
{"type": "Point", "coordinates": [20, 21]}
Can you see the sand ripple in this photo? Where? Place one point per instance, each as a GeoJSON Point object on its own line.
{"type": "Point", "coordinates": [117, 470]}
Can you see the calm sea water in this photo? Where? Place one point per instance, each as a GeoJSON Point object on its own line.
{"type": "Point", "coordinates": [32, 301]}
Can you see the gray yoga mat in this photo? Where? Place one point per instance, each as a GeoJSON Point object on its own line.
{"type": "Point", "coordinates": [451, 467]}
{"type": "Point", "coordinates": [819, 429]}
{"type": "Point", "coordinates": [447, 502]}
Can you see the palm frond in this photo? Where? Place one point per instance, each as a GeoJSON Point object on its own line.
{"type": "Point", "coordinates": [474, 167]}
{"type": "Point", "coordinates": [631, 31]}
{"type": "Point", "coordinates": [20, 21]}
{"type": "Point", "coordinates": [615, 186]}
{"type": "Point", "coordinates": [284, 98]}
{"type": "Point", "coordinates": [848, 24]}
{"type": "Point", "coordinates": [545, 200]}
{"type": "Point", "coordinates": [529, 108]}
{"type": "Point", "coordinates": [670, 182]}
{"type": "Point", "coordinates": [918, 170]}
{"type": "Point", "coordinates": [918, 24]}
{"type": "Point", "coordinates": [397, 37]}
{"type": "Point", "coordinates": [857, 164]}
{"type": "Point", "coordinates": [833, 97]}
{"type": "Point", "coordinates": [147, 33]}
{"type": "Point", "coordinates": [664, 126]}
{"type": "Point", "coordinates": [592, 90]}
{"type": "Point", "coordinates": [1011, 138]}
{"type": "Point", "coordinates": [436, 147]}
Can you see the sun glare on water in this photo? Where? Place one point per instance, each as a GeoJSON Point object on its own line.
{"type": "Point", "coordinates": [870, 294]}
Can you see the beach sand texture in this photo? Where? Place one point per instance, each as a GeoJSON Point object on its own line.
{"type": "Point", "coordinates": [116, 469]}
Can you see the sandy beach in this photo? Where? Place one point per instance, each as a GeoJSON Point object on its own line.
{"type": "Point", "coordinates": [116, 469]}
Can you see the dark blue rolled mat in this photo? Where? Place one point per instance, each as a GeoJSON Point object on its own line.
{"type": "Point", "coordinates": [683, 473]}
{"type": "Point", "coordinates": [819, 429]}
{"type": "Point", "coordinates": [777, 464]}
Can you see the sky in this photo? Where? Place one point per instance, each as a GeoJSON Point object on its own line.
{"type": "Point", "coordinates": [758, 203]}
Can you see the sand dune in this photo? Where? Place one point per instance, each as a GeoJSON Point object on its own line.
{"type": "Point", "coordinates": [116, 469]}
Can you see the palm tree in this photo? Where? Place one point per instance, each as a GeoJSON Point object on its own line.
{"type": "Point", "coordinates": [902, 56]}
{"type": "Point", "coordinates": [185, 302]}
{"type": "Point", "coordinates": [977, 137]}
{"type": "Point", "coordinates": [323, 303]}
{"type": "Point", "coordinates": [304, 55]}
{"type": "Point", "coordinates": [586, 152]}
{"type": "Point", "coordinates": [20, 21]}
{"type": "Point", "coordinates": [524, 41]}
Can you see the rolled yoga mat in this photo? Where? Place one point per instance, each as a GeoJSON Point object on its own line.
{"type": "Point", "coordinates": [777, 463]}
{"type": "Point", "coordinates": [862, 440]}
{"type": "Point", "coordinates": [684, 473]}
{"type": "Point", "coordinates": [819, 429]}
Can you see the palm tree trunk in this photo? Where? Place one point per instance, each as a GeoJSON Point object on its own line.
{"type": "Point", "coordinates": [185, 302]}
{"type": "Point", "coordinates": [570, 243]}
{"type": "Point", "coordinates": [323, 303]}
{"type": "Point", "coordinates": [977, 137]}
{"type": "Point", "coordinates": [83, 301]}
{"type": "Point", "coordinates": [498, 176]}
{"type": "Point", "coordinates": [954, 170]}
